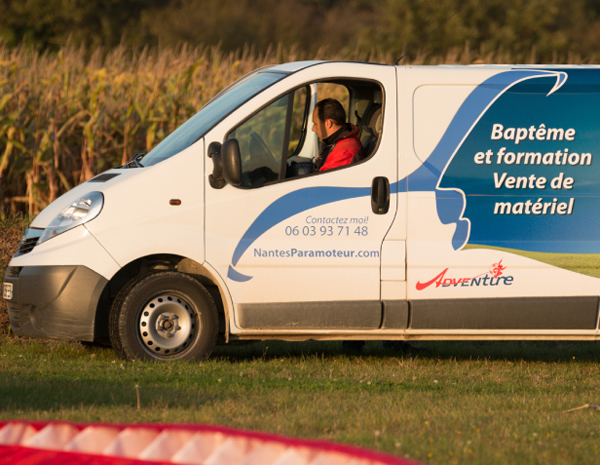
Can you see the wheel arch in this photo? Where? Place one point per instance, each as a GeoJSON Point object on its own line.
{"type": "Point", "coordinates": [161, 262]}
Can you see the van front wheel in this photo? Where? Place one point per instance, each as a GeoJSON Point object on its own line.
{"type": "Point", "coordinates": [163, 316]}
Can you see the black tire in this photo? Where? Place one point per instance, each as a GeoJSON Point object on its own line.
{"type": "Point", "coordinates": [163, 316]}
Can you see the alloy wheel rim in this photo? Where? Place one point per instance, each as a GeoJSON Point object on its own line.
{"type": "Point", "coordinates": [167, 325]}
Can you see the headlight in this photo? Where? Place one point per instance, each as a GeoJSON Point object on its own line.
{"type": "Point", "coordinates": [81, 211]}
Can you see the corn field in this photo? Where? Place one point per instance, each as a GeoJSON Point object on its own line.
{"type": "Point", "coordinates": [68, 116]}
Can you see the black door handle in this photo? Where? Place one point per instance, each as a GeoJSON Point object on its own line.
{"type": "Point", "coordinates": [380, 195]}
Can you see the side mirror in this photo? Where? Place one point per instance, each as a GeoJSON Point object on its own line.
{"type": "Point", "coordinates": [232, 162]}
{"type": "Point", "coordinates": [216, 178]}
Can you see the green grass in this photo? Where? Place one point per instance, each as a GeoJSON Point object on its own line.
{"type": "Point", "coordinates": [587, 264]}
{"type": "Point", "coordinates": [463, 402]}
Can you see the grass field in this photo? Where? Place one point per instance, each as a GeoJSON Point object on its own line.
{"type": "Point", "coordinates": [475, 402]}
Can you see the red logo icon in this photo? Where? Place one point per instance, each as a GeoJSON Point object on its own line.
{"type": "Point", "coordinates": [496, 269]}
{"type": "Point", "coordinates": [492, 277]}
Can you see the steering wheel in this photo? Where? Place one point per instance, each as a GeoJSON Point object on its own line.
{"type": "Point", "coordinates": [259, 150]}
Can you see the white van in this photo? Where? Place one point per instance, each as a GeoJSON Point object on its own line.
{"type": "Point", "coordinates": [474, 216]}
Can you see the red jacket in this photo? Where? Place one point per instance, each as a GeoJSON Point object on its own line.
{"type": "Point", "coordinates": [341, 150]}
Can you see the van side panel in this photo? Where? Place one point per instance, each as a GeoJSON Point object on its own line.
{"type": "Point", "coordinates": [363, 314]}
{"type": "Point", "coordinates": [508, 313]}
{"type": "Point", "coordinates": [502, 198]}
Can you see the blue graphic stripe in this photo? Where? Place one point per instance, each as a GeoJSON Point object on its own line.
{"type": "Point", "coordinates": [235, 275]}
{"type": "Point", "coordinates": [450, 204]}
{"type": "Point", "coordinates": [291, 204]}
{"type": "Point", "coordinates": [426, 177]}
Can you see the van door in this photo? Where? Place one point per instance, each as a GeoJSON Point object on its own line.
{"type": "Point", "coordinates": [303, 252]}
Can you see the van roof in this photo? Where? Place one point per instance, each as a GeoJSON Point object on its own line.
{"type": "Point", "coordinates": [294, 66]}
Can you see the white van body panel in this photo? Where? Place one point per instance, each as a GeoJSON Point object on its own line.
{"type": "Point", "coordinates": [138, 220]}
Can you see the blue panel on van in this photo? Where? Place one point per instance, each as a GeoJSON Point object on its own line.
{"type": "Point", "coordinates": [526, 168]}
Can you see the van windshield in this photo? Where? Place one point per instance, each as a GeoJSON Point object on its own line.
{"type": "Point", "coordinates": [214, 111]}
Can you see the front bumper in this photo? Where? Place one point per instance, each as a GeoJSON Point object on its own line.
{"type": "Point", "coordinates": [54, 302]}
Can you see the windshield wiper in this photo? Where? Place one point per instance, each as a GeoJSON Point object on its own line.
{"type": "Point", "coordinates": [135, 161]}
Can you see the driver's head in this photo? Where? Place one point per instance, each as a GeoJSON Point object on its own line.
{"type": "Point", "coordinates": [328, 117]}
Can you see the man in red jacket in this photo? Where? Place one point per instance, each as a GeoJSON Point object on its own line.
{"type": "Point", "coordinates": [340, 143]}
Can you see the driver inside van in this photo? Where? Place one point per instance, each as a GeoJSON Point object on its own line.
{"type": "Point", "coordinates": [340, 142]}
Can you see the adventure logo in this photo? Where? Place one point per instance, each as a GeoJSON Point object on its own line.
{"type": "Point", "coordinates": [492, 277]}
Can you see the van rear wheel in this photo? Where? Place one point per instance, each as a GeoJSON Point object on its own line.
{"type": "Point", "coordinates": [163, 316]}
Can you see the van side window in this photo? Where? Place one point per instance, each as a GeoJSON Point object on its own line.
{"type": "Point", "coordinates": [277, 142]}
{"type": "Point", "coordinates": [270, 136]}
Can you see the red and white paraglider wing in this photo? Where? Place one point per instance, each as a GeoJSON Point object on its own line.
{"type": "Point", "coordinates": [33, 443]}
